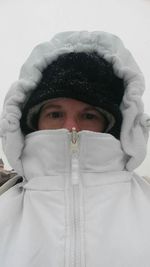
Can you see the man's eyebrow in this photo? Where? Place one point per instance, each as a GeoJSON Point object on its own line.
{"type": "Point", "coordinates": [51, 106]}
{"type": "Point", "coordinates": [90, 108]}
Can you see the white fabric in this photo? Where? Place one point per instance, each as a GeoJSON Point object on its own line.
{"type": "Point", "coordinates": [83, 211]}
{"type": "Point", "coordinates": [134, 132]}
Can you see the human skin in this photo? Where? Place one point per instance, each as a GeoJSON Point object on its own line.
{"type": "Point", "coordinates": [70, 113]}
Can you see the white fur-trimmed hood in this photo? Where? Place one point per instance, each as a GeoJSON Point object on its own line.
{"type": "Point", "coordinates": [135, 126]}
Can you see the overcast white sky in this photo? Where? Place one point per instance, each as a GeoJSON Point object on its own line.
{"type": "Point", "coordinates": [25, 23]}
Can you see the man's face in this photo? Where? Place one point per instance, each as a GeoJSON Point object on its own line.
{"type": "Point", "coordinates": [68, 113]}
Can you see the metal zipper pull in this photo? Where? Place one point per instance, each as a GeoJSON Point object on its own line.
{"type": "Point", "coordinates": [74, 135]}
{"type": "Point", "coordinates": [74, 139]}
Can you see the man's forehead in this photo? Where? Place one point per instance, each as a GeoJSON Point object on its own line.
{"type": "Point", "coordinates": [61, 102]}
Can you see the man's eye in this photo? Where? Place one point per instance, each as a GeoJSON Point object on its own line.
{"type": "Point", "coordinates": [89, 116]}
{"type": "Point", "coordinates": [55, 114]}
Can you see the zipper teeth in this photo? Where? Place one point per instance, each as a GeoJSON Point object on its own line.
{"type": "Point", "coordinates": [76, 226]}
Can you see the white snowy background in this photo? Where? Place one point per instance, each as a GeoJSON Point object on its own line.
{"type": "Point", "coordinates": [25, 23]}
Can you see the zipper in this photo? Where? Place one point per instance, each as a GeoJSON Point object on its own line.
{"type": "Point", "coordinates": [74, 141]}
{"type": "Point", "coordinates": [75, 239]}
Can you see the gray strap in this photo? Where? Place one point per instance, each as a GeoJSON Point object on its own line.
{"type": "Point", "coordinates": [10, 183]}
{"type": "Point", "coordinates": [147, 179]}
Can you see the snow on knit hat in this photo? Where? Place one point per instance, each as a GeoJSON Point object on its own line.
{"type": "Point", "coordinates": [86, 77]}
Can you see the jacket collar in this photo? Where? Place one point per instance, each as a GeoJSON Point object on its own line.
{"type": "Point", "coordinates": [47, 153]}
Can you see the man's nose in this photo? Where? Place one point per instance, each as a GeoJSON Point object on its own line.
{"type": "Point", "coordinates": [70, 123]}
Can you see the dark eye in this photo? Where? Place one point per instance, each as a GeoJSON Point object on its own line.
{"type": "Point", "coordinates": [55, 114]}
{"type": "Point", "coordinates": [89, 116]}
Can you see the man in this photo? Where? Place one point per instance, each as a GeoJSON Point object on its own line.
{"type": "Point", "coordinates": [73, 128]}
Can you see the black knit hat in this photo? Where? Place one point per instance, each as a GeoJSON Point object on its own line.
{"type": "Point", "coordinates": [82, 76]}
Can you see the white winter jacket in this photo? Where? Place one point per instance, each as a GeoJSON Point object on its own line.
{"type": "Point", "coordinates": [80, 204]}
